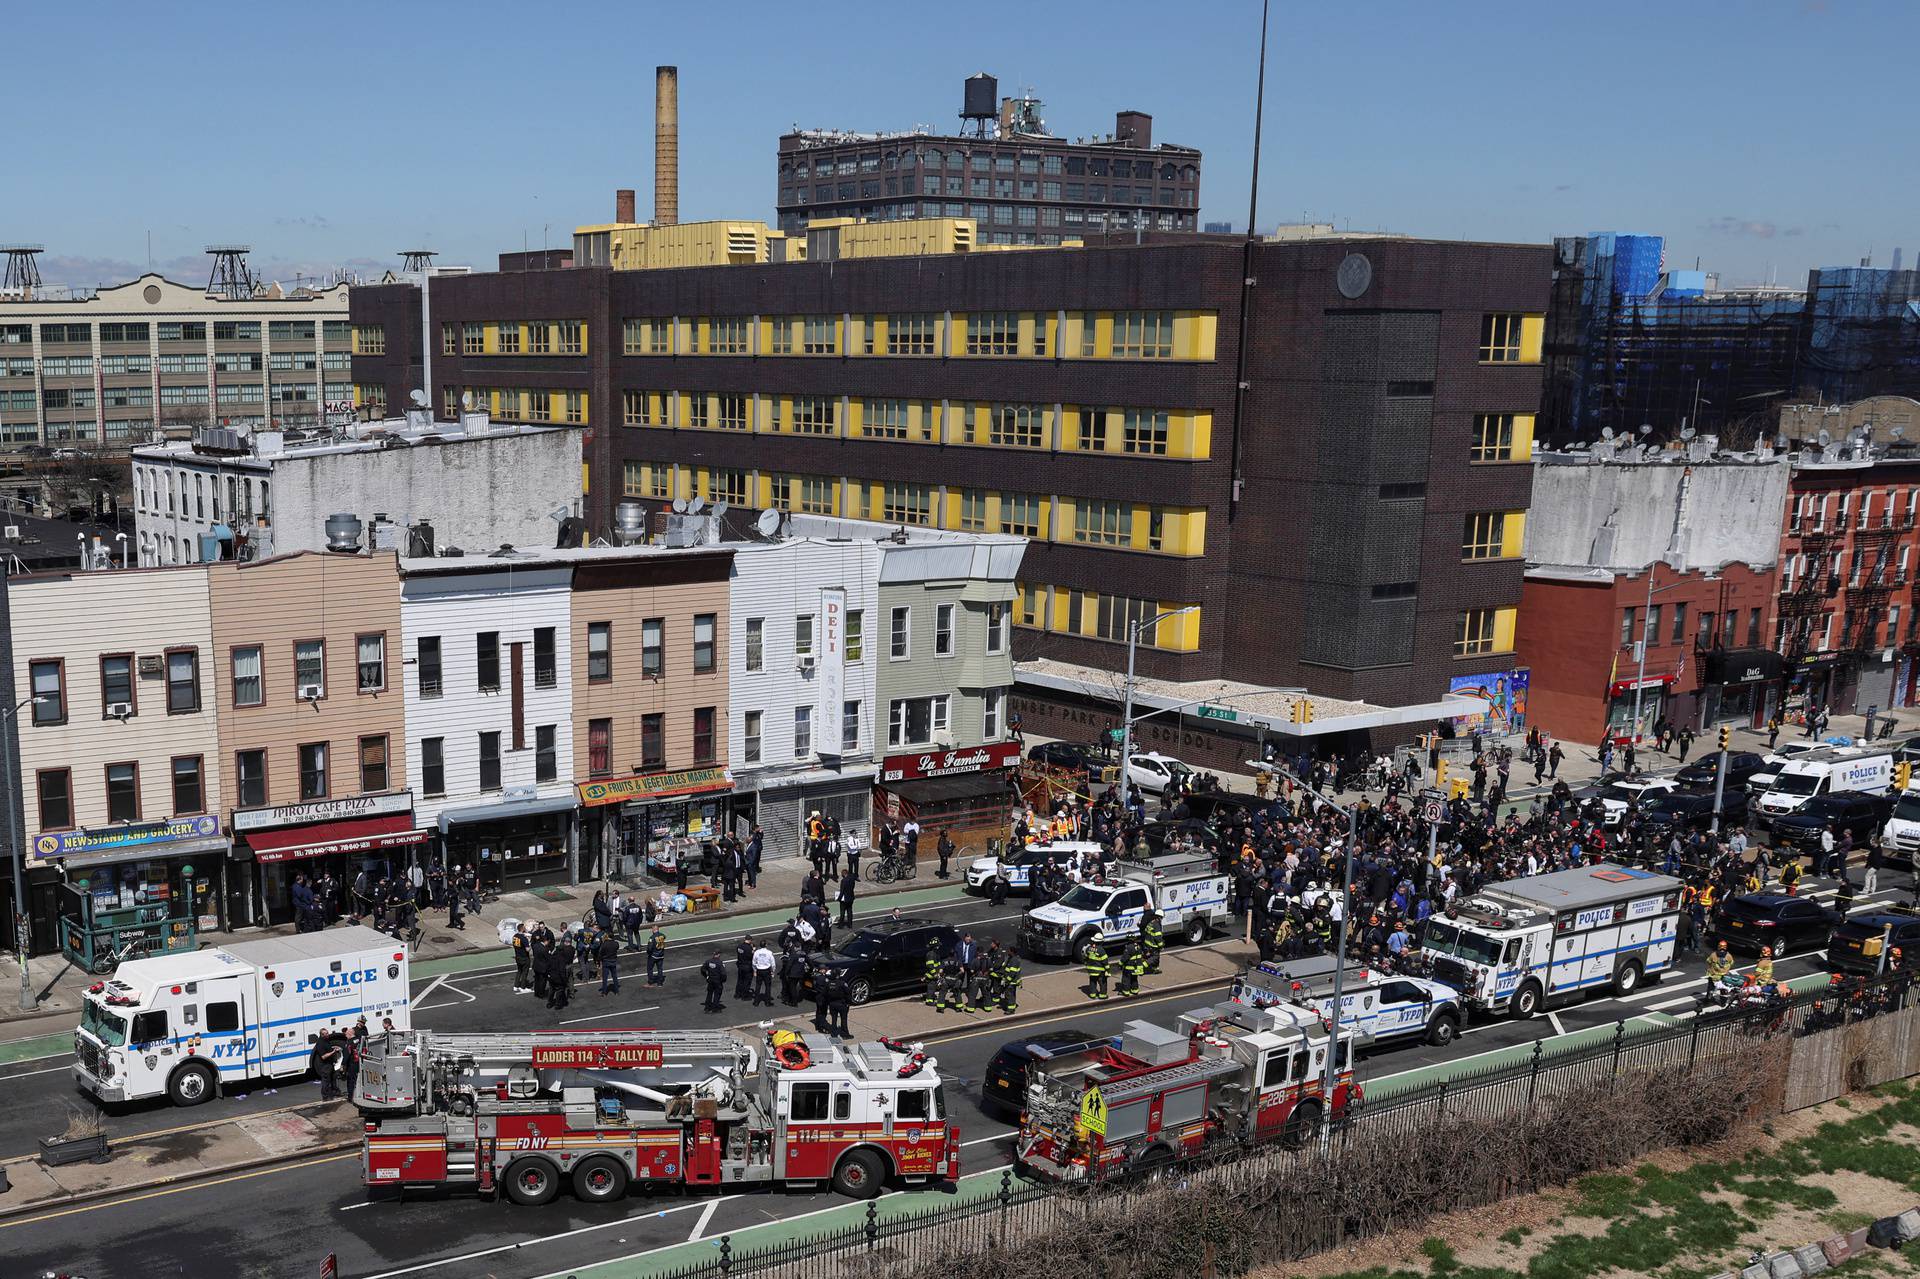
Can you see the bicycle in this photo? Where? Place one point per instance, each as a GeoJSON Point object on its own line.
{"type": "Point", "coordinates": [891, 866]}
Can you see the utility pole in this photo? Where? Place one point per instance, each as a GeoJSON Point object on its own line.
{"type": "Point", "coordinates": [1720, 783]}
{"type": "Point", "coordinates": [1126, 693]}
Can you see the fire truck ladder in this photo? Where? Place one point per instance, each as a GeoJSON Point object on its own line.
{"type": "Point", "coordinates": [517, 1048]}
{"type": "Point", "coordinates": [1190, 1072]}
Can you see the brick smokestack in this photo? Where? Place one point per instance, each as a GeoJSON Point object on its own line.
{"type": "Point", "coordinates": [623, 206]}
{"type": "Point", "coordinates": [666, 146]}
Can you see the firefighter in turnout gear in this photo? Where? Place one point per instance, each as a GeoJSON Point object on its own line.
{"type": "Point", "coordinates": [1096, 969]}
{"type": "Point", "coordinates": [1133, 965]}
{"type": "Point", "coordinates": [935, 980]}
{"type": "Point", "coordinates": [1009, 981]}
{"type": "Point", "coordinates": [1151, 939]}
{"type": "Point", "coordinates": [958, 984]}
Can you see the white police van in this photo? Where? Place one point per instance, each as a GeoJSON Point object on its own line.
{"type": "Point", "coordinates": [1380, 1007]}
{"type": "Point", "coordinates": [1018, 863]}
{"type": "Point", "coordinates": [1867, 769]}
{"type": "Point", "coordinates": [181, 1026]}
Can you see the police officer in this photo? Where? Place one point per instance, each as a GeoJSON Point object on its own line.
{"type": "Point", "coordinates": [609, 963]}
{"type": "Point", "coordinates": [743, 969]}
{"type": "Point", "coordinates": [792, 969]}
{"type": "Point", "coordinates": [1009, 980]}
{"type": "Point", "coordinates": [560, 973]}
{"type": "Point", "coordinates": [522, 959]}
{"type": "Point", "coordinates": [845, 895]}
{"type": "Point", "coordinates": [945, 848]}
{"type": "Point", "coordinates": [542, 949]}
{"type": "Point", "coordinates": [820, 975]}
{"type": "Point", "coordinates": [839, 1003]}
{"type": "Point", "coordinates": [1096, 969]}
{"type": "Point", "coordinates": [714, 971]}
{"type": "Point", "coordinates": [1151, 939]}
{"type": "Point", "coordinates": [657, 958]}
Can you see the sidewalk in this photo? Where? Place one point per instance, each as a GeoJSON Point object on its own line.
{"type": "Point", "coordinates": [779, 889]}
{"type": "Point", "coordinates": [183, 1154]}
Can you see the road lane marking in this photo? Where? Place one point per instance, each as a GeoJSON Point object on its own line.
{"type": "Point", "coordinates": [700, 1224]}
{"type": "Point", "coordinates": [421, 998]}
{"type": "Point", "coordinates": [175, 1190]}
{"type": "Point", "coordinates": [624, 1012]}
{"type": "Point", "coordinates": [1554, 1018]}
{"type": "Point", "coordinates": [567, 1234]}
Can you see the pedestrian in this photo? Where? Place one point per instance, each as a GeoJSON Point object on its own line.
{"type": "Point", "coordinates": [609, 963]}
{"type": "Point", "coordinates": [1554, 756]}
{"type": "Point", "coordinates": [325, 1062]}
{"type": "Point", "coordinates": [522, 960]}
{"type": "Point", "coordinates": [715, 973]}
{"type": "Point", "coordinates": [754, 850]}
{"type": "Point", "coordinates": [1096, 962]}
{"type": "Point", "coordinates": [763, 975]}
{"type": "Point", "coordinates": [743, 968]}
{"type": "Point", "coordinates": [847, 885]}
{"type": "Point", "coordinates": [944, 848]}
{"type": "Point", "coordinates": [453, 912]}
{"type": "Point", "coordinates": [657, 958]}
{"type": "Point", "coordinates": [1874, 863]}
{"type": "Point", "coordinates": [1773, 732]}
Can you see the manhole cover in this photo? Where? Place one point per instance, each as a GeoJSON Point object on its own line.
{"type": "Point", "coordinates": [441, 940]}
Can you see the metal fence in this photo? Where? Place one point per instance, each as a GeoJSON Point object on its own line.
{"type": "Point", "coordinates": [1003, 1210]}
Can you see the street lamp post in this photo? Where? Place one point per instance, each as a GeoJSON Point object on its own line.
{"type": "Point", "coordinates": [1126, 695]}
{"type": "Point", "coordinates": [13, 832]}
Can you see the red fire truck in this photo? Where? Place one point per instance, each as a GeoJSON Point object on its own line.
{"type": "Point", "coordinates": [1229, 1073]}
{"type": "Point", "coordinates": [521, 1112]}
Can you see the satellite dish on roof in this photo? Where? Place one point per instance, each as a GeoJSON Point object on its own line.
{"type": "Point", "coordinates": [695, 505]}
{"type": "Point", "coordinates": [768, 523]}
{"type": "Point", "coordinates": [1646, 429]}
{"type": "Point", "coordinates": [1606, 432]}
{"type": "Point", "coordinates": [419, 398]}
{"type": "Point", "coordinates": [1826, 437]}
{"type": "Point", "coordinates": [680, 505]}
{"type": "Point", "coordinates": [466, 400]}
{"type": "Point", "coordinates": [1686, 432]}
{"type": "Point", "coordinates": [719, 509]}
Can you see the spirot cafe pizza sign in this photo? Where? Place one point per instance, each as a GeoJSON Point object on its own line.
{"type": "Point", "coordinates": [947, 763]}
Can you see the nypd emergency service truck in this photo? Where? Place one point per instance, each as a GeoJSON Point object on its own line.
{"type": "Point", "coordinates": [1379, 1007]}
{"type": "Point", "coordinates": [181, 1026]}
{"type": "Point", "coordinates": [1526, 944]}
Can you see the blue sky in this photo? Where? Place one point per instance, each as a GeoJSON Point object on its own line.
{"type": "Point", "coordinates": [1758, 135]}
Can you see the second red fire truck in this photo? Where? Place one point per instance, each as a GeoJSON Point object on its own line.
{"type": "Point", "coordinates": [1229, 1073]}
{"type": "Point", "coordinates": [521, 1113]}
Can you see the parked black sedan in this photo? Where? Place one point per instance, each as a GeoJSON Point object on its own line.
{"type": "Point", "coordinates": [1858, 940]}
{"type": "Point", "coordinates": [1003, 1090]}
{"type": "Point", "coordinates": [1788, 924]}
{"type": "Point", "coordinates": [1855, 811]}
{"type": "Point", "coordinates": [884, 958]}
{"type": "Point", "coordinates": [1690, 811]}
{"type": "Point", "coordinates": [1740, 766]}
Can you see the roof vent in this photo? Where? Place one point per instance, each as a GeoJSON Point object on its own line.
{"type": "Point", "coordinates": [343, 533]}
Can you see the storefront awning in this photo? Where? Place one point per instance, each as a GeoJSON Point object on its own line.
{"type": "Point", "coordinates": [148, 852]}
{"type": "Point", "coordinates": [934, 790]}
{"type": "Point", "coordinates": [1743, 666]}
{"type": "Point", "coordinates": [506, 810]}
{"type": "Point", "coordinates": [358, 835]}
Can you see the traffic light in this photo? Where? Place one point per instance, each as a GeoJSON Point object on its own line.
{"type": "Point", "coordinates": [1902, 775]}
{"type": "Point", "coordinates": [1723, 739]}
{"type": "Point", "coordinates": [1301, 712]}
{"type": "Point", "coordinates": [1440, 775]}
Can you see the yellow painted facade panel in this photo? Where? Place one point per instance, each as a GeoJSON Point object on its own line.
{"type": "Point", "coordinates": [1533, 330]}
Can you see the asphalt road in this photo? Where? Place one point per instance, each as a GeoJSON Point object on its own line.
{"type": "Point", "coordinates": [283, 1220]}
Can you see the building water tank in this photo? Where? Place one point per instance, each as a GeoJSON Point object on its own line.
{"type": "Point", "coordinates": [981, 98]}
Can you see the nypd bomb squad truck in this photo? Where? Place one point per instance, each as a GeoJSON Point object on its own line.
{"type": "Point", "coordinates": [1522, 945]}
{"type": "Point", "coordinates": [181, 1026]}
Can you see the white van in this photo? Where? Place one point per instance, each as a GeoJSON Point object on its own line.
{"type": "Point", "coordinates": [1868, 770]}
{"type": "Point", "coordinates": [1901, 836]}
{"type": "Point", "coordinates": [180, 1026]}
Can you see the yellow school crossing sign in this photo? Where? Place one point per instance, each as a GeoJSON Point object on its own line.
{"type": "Point", "coordinates": [1093, 1113]}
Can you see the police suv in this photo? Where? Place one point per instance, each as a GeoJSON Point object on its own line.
{"type": "Point", "coordinates": [180, 1026]}
{"type": "Point", "coordinates": [1380, 1007]}
{"type": "Point", "coordinates": [1018, 863]}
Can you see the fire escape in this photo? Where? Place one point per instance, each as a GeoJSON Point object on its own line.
{"type": "Point", "coordinates": [1808, 597]}
{"type": "Point", "coordinates": [1870, 586]}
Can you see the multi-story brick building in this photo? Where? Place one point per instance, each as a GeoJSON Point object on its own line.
{"type": "Point", "coordinates": [1351, 522]}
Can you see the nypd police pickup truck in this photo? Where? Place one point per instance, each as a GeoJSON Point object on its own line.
{"type": "Point", "coordinates": [1379, 1007]}
{"type": "Point", "coordinates": [1188, 892]}
{"type": "Point", "coordinates": [181, 1026]}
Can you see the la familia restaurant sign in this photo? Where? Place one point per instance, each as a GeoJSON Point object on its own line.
{"type": "Point", "coordinates": [975, 759]}
{"type": "Point", "coordinates": [690, 781]}
{"type": "Point", "coordinates": [106, 839]}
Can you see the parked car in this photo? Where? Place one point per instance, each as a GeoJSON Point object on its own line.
{"type": "Point", "coordinates": [1003, 1090]}
{"type": "Point", "coordinates": [1690, 811]}
{"type": "Point", "coordinates": [1153, 772]}
{"type": "Point", "coordinates": [1207, 806]}
{"type": "Point", "coordinates": [1854, 811]}
{"type": "Point", "coordinates": [885, 958]}
{"type": "Point", "coordinates": [1622, 791]}
{"type": "Point", "coordinates": [1084, 756]}
{"type": "Point", "coordinates": [1740, 766]}
{"type": "Point", "coordinates": [1788, 924]}
{"type": "Point", "coordinates": [1858, 940]}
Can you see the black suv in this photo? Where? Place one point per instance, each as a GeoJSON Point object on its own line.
{"type": "Point", "coordinates": [1004, 1089]}
{"type": "Point", "coordinates": [1788, 924]}
{"type": "Point", "coordinates": [1740, 766]}
{"type": "Point", "coordinates": [884, 958]}
{"type": "Point", "coordinates": [1088, 758]}
{"type": "Point", "coordinates": [1690, 811]}
{"type": "Point", "coordinates": [1858, 940]}
{"type": "Point", "coordinates": [1844, 810]}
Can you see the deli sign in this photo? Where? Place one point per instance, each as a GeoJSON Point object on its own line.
{"type": "Point", "coordinates": [597, 1056]}
{"type": "Point", "coordinates": [947, 763]}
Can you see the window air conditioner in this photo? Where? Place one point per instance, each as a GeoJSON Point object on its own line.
{"type": "Point", "coordinates": [120, 710]}
{"type": "Point", "coordinates": [805, 661]}
{"type": "Point", "coordinates": [309, 692]}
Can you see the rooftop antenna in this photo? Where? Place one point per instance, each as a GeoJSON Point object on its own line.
{"type": "Point", "coordinates": [416, 261]}
{"type": "Point", "coordinates": [23, 272]}
{"type": "Point", "coordinates": [230, 277]}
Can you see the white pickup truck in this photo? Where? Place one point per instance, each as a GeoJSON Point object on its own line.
{"type": "Point", "coordinates": [1189, 893]}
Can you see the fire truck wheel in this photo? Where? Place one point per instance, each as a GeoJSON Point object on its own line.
{"type": "Point", "coordinates": [532, 1181]}
{"type": "Point", "coordinates": [1303, 1125]}
{"type": "Point", "coordinates": [1152, 1163]}
{"type": "Point", "coordinates": [190, 1085]}
{"type": "Point", "coordinates": [859, 1175]}
{"type": "Point", "coordinates": [1196, 931]}
{"type": "Point", "coordinates": [1526, 1001]}
{"type": "Point", "coordinates": [599, 1179]}
{"type": "Point", "coordinates": [1442, 1030]}
{"type": "Point", "coordinates": [1627, 980]}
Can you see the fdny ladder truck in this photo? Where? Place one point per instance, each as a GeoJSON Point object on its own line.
{"type": "Point", "coordinates": [522, 1112]}
{"type": "Point", "coordinates": [1230, 1073]}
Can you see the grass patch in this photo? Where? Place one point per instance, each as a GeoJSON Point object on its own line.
{"type": "Point", "coordinates": [1512, 1238]}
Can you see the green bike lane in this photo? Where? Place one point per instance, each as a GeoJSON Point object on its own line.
{"type": "Point", "coordinates": [680, 932]}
